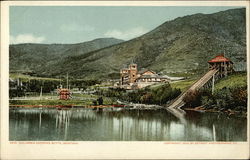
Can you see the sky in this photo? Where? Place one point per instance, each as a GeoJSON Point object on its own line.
{"type": "Point", "coordinates": [75, 24]}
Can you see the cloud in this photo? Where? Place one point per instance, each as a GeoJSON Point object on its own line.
{"type": "Point", "coordinates": [26, 38]}
{"type": "Point", "coordinates": [127, 34]}
{"type": "Point", "coordinates": [75, 27]}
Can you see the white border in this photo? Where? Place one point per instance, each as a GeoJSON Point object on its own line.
{"type": "Point", "coordinates": [108, 150]}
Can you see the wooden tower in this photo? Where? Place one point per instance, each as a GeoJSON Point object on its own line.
{"type": "Point", "coordinates": [223, 64]}
{"type": "Point", "coordinates": [132, 73]}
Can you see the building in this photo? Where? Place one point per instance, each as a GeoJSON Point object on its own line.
{"type": "Point", "coordinates": [131, 78]}
{"type": "Point", "coordinates": [129, 75]}
{"type": "Point", "coordinates": [223, 64]}
{"type": "Point", "coordinates": [64, 94]}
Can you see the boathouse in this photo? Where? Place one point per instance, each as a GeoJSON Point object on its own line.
{"type": "Point", "coordinates": [223, 64]}
{"type": "Point", "coordinates": [64, 94]}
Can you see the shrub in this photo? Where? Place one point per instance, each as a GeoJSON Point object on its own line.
{"type": "Point", "coordinates": [240, 96]}
{"type": "Point", "coordinates": [192, 98]}
{"type": "Point", "coordinates": [160, 95]}
{"type": "Point", "coordinates": [226, 98]}
{"type": "Point", "coordinates": [197, 97]}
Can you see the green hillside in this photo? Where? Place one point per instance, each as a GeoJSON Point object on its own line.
{"type": "Point", "coordinates": [183, 85]}
{"type": "Point", "coordinates": [180, 46]}
{"type": "Point", "coordinates": [232, 81]}
{"type": "Point", "coordinates": [33, 57]}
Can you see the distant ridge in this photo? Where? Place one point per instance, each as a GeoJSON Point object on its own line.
{"type": "Point", "coordinates": [32, 56]}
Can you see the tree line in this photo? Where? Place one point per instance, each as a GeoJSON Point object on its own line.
{"type": "Point", "coordinates": [222, 100]}
{"type": "Point", "coordinates": [20, 87]}
{"type": "Point", "coordinates": [160, 95]}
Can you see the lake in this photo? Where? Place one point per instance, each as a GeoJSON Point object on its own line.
{"type": "Point", "coordinates": [34, 124]}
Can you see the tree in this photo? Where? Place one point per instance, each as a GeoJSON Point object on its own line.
{"type": "Point", "coordinates": [100, 101]}
{"type": "Point", "coordinates": [94, 102]}
{"type": "Point", "coordinates": [192, 98]}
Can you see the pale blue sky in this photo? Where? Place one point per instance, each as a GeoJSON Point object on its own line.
{"type": "Point", "coordinates": [47, 24]}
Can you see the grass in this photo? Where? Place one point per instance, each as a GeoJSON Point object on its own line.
{"type": "Point", "coordinates": [88, 100]}
{"type": "Point", "coordinates": [107, 101]}
{"type": "Point", "coordinates": [180, 74]}
{"type": "Point", "coordinates": [231, 81]}
{"type": "Point", "coordinates": [49, 102]}
{"type": "Point", "coordinates": [155, 86]}
{"type": "Point", "coordinates": [84, 95]}
{"type": "Point", "coordinates": [183, 85]}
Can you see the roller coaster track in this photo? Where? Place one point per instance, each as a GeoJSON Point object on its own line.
{"type": "Point", "coordinates": [179, 102]}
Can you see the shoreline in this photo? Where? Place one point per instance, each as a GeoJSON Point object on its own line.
{"type": "Point", "coordinates": [200, 109]}
{"type": "Point", "coordinates": [113, 106]}
{"type": "Point", "coordinates": [228, 112]}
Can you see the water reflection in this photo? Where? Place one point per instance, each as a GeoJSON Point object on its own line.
{"type": "Point", "coordinates": [122, 125]}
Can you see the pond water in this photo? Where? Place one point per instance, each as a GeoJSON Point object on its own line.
{"type": "Point", "coordinates": [122, 125]}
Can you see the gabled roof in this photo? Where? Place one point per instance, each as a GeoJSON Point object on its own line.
{"type": "Point", "coordinates": [63, 90]}
{"type": "Point", "coordinates": [219, 58]}
{"type": "Point", "coordinates": [152, 76]}
{"type": "Point", "coordinates": [145, 70]}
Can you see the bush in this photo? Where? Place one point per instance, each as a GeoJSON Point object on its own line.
{"type": "Point", "coordinates": [197, 98]}
{"type": "Point", "coordinates": [192, 98]}
{"type": "Point", "coordinates": [18, 92]}
{"type": "Point", "coordinates": [226, 98]}
{"type": "Point", "coordinates": [240, 96]}
{"type": "Point", "coordinates": [146, 95]}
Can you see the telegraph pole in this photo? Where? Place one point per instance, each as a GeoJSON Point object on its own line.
{"type": "Point", "coordinates": [41, 93]}
{"type": "Point", "coordinates": [213, 85]}
{"type": "Point", "coordinates": [67, 80]}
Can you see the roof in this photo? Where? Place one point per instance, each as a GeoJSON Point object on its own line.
{"type": "Point", "coordinates": [152, 76]}
{"type": "Point", "coordinates": [219, 58]}
{"type": "Point", "coordinates": [145, 70]}
{"type": "Point", "coordinates": [173, 78]}
{"type": "Point", "coordinates": [63, 90]}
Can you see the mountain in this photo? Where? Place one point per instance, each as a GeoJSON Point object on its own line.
{"type": "Point", "coordinates": [182, 45]}
{"type": "Point", "coordinates": [31, 57]}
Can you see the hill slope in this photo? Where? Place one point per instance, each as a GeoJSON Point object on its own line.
{"type": "Point", "coordinates": [31, 57]}
{"type": "Point", "coordinates": [181, 45]}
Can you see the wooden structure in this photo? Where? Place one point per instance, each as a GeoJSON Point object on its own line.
{"type": "Point", "coordinates": [219, 66]}
{"type": "Point", "coordinates": [205, 79]}
{"type": "Point", "coordinates": [64, 94]}
{"type": "Point", "coordinates": [223, 64]}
